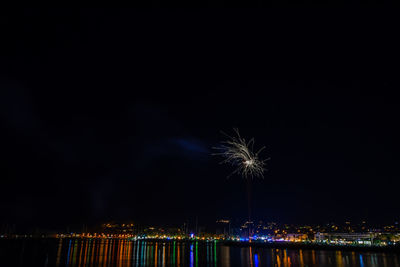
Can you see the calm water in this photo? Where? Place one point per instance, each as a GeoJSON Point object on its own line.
{"type": "Point", "coordinates": [76, 252]}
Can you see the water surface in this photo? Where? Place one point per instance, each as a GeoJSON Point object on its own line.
{"type": "Point", "coordinates": [117, 252]}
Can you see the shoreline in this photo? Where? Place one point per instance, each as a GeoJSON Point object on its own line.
{"type": "Point", "coordinates": [271, 245]}
{"type": "Point", "coordinates": [313, 246]}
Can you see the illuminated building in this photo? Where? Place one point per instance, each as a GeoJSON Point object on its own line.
{"type": "Point", "coordinates": [223, 227]}
{"type": "Point", "coordinates": [296, 237]}
{"type": "Point", "coordinates": [346, 238]}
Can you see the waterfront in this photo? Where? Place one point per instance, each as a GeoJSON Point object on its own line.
{"type": "Point", "coordinates": [122, 252]}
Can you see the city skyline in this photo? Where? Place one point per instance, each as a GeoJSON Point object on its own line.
{"type": "Point", "coordinates": [232, 137]}
{"type": "Point", "coordinates": [105, 123]}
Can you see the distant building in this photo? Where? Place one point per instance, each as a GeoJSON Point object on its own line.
{"type": "Point", "coordinates": [296, 237]}
{"type": "Point", "coordinates": [346, 238]}
{"type": "Point", "coordinates": [223, 227]}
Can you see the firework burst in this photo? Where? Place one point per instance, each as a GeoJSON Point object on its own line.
{"type": "Point", "coordinates": [240, 154]}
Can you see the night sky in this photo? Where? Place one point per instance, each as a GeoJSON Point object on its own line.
{"type": "Point", "coordinates": [111, 115]}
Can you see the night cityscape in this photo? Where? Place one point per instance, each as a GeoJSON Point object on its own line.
{"type": "Point", "coordinates": [199, 137]}
{"type": "Point", "coordinates": [347, 233]}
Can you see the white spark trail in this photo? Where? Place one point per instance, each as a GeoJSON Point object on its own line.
{"type": "Point", "coordinates": [239, 153]}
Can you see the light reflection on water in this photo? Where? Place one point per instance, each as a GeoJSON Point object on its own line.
{"type": "Point", "coordinates": [116, 252]}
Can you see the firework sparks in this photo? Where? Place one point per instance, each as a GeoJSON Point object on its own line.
{"type": "Point", "coordinates": [239, 153]}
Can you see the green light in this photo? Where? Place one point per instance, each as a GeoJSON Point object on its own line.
{"type": "Point", "coordinates": [173, 254]}
{"type": "Point", "coordinates": [215, 254]}
{"type": "Point", "coordinates": [197, 254]}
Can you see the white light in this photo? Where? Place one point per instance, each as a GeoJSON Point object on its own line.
{"type": "Point", "coordinates": [239, 153]}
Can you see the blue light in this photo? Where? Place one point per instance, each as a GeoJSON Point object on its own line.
{"type": "Point", "coordinates": [361, 262]}
{"type": "Point", "coordinates": [255, 260]}
{"type": "Point", "coordinates": [191, 256]}
{"type": "Point", "coordinates": [69, 250]}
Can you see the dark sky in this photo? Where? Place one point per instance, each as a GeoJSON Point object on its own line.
{"type": "Point", "coordinates": [112, 114]}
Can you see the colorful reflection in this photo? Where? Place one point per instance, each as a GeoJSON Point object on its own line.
{"type": "Point", "coordinates": [132, 253]}
{"type": "Point", "coordinates": [119, 252]}
{"type": "Point", "coordinates": [257, 256]}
